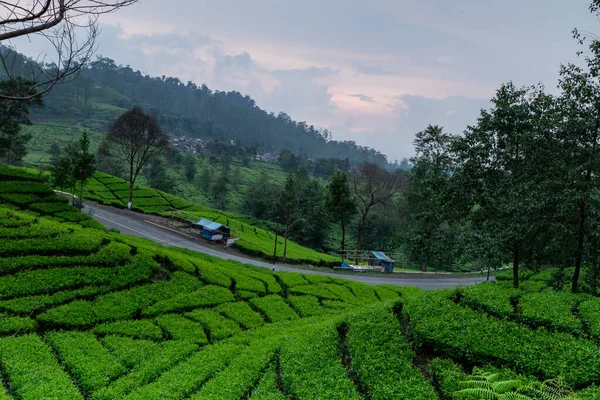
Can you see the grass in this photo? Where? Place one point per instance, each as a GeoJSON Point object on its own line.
{"type": "Point", "coordinates": [175, 324]}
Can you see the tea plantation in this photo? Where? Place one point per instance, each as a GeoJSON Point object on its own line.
{"type": "Point", "coordinates": [90, 314]}
{"type": "Point", "coordinates": [254, 239]}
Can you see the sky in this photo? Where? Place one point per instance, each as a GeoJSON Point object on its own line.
{"type": "Point", "coordinates": [375, 71]}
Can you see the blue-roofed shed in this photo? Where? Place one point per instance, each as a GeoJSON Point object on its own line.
{"type": "Point", "coordinates": [380, 259]}
{"type": "Point", "coordinates": [212, 230]}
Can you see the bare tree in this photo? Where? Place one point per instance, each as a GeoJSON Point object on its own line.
{"type": "Point", "coordinates": [56, 21]}
{"type": "Point", "coordinates": [136, 138]}
{"type": "Point", "coordinates": [372, 185]}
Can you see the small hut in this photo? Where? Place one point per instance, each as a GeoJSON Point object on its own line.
{"type": "Point", "coordinates": [212, 230]}
{"type": "Point", "coordinates": [380, 259]}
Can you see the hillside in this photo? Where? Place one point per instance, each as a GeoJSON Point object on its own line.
{"type": "Point", "coordinates": [97, 315]}
{"type": "Point", "coordinates": [255, 237]}
{"type": "Point", "coordinates": [105, 89]}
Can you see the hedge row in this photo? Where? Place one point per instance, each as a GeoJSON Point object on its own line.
{"type": "Point", "coordinates": [267, 389]}
{"type": "Point", "coordinates": [274, 308]}
{"type": "Point", "coordinates": [138, 329]}
{"type": "Point", "coordinates": [241, 313]}
{"type": "Point", "coordinates": [30, 187]}
{"type": "Point", "coordinates": [291, 279]}
{"type": "Point", "coordinates": [314, 290]}
{"type": "Point", "coordinates": [491, 298]}
{"type": "Point", "coordinates": [311, 366]}
{"type": "Point", "coordinates": [82, 242]}
{"type": "Point", "coordinates": [218, 327]}
{"type": "Point", "coordinates": [180, 328]}
{"type": "Point", "coordinates": [381, 360]}
{"type": "Point", "coordinates": [473, 337]}
{"type": "Point", "coordinates": [307, 306]}
{"type": "Point", "coordinates": [551, 309]}
{"type": "Point", "coordinates": [88, 361]}
{"type": "Point", "coordinates": [240, 375]}
{"type": "Point", "coordinates": [182, 380]}
{"type": "Point", "coordinates": [204, 297]}
{"type": "Point", "coordinates": [33, 371]}
{"type": "Point", "coordinates": [118, 305]}
{"type": "Point", "coordinates": [155, 363]}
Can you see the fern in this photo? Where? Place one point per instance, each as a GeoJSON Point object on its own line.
{"type": "Point", "coordinates": [484, 385]}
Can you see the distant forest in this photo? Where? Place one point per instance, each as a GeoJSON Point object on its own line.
{"type": "Point", "coordinates": [189, 110]}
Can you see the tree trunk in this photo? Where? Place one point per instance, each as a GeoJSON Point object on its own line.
{"type": "Point", "coordinates": [579, 254]}
{"type": "Point", "coordinates": [275, 247]}
{"type": "Point", "coordinates": [424, 266]}
{"type": "Point", "coordinates": [516, 267]}
{"type": "Point", "coordinates": [343, 235]}
{"type": "Point", "coordinates": [80, 194]}
{"type": "Point", "coordinates": [285, 244]}
{"type": "Point", "coordinates": [130, 186]}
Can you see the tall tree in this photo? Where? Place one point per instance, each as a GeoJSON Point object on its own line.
{"type": "Point", "coordinates": [499, 172]}
{"type": "Point", "coordinates": [372, 186]}
{"type": "Point", "coordinates": [136, 138]}
{"type": "Point", "coordinates": [340, 203]}
{"type": "Point", "coordinates": [189, 166]}
{"type": "Point", "coordinates": [13, 114]}
{"type": "Point", "coordinates": [427, 196]}
{"type": "Point", "coordinates": [84, 165]}
{"type": "Point", "coordinates": [288, 206]}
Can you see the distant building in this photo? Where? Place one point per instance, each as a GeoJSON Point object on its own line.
{"type": "Point", "coordinates": [213, 231]}
{"type": "Point", "coordinates": [380, 259]}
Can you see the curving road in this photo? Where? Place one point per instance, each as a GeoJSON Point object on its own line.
{"type": "Point", "coordinates": [135, 224]}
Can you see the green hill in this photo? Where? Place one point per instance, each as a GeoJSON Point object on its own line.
{"type": "Point", "coordinates": [90, 314]}
{"type": "Point", "coordinates": [255, 238]}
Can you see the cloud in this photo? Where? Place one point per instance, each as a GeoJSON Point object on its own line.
{"type": "Point", "coordinates": [363, 97]}
{"type": "Point", "coordinates": [371, 69]}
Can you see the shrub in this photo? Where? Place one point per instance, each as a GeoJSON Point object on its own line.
{"type": "Point", "coordinates": [307, 306]}
{"type": "Point", "coordinates": [469, 336]}
{"type": "Point", "coordinates": [551, 309]}
{"type": "Point", "coordinates": [275, 308]}
{"type": "Point", "coordinates": [33, 371]}
{"type": "Point", "coordinates": [266, 389]}
{"type": "Point", "coordinates": [240, 375]}
{"type": "Point", "coordinates": [291, 279]}
{"type": "Point", "coordinates": [241, 313]}
{"type": "Point", "coordinates": [86, 358]}
{"type": "Point", "coordinates": [180, 328]}
{"type": "Point", "coordinates": [218, 327]}
{"type": "Point", "coordinates": [311, 367]}
{"type": "Point", "coordinates": [182, 380]}
{"type": "Point", "coordinates": [38, 188]}
{"type": "Point", "coordinates": [203, 297]}
{"type": "Point", "coordinates": [155, 363]}
{"type": "Point", "coordinates": [142, 329]}
{"type": "Point", "coordinates": [375, 344]}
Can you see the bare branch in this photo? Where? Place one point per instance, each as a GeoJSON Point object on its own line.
{"type": "Point", "coordinates": [56, 21]}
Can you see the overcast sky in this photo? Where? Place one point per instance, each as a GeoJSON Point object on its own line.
{"type": "Point", "coordinates": [372, 71]}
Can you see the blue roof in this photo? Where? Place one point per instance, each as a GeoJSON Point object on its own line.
{"type": "Point", "coordinates": [380, 255]}
{"type": "Point", "coordinates": [208, 224]}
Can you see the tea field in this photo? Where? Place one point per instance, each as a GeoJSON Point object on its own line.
{"type": "Point", "coordinates": [255, 238]}
{"type": "Point", "coordinates": [90, 314]}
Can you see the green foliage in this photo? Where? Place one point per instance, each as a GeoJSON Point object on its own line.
{"type": "Point", "coordinates": [33, 371]}
{"type": "Point", "coordinates": [242, 314]}
{"type": "Point", "coordinates": [274, 308]}
{"type": "Point", "coordinates": [86, 359]}
{"type": "Point", "coordinates": [375, 344]}
{"type": "Point", "coordinates": [218, 327]}
{"type": "Point", "coordinates": [489, 385]}
{"type": "Point", "coordinates": [180, 328]}
{"type": "Point", "coordinates": [142, 329]}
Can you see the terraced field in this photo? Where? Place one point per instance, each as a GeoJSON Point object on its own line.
{"type": "Point", "coordinates": [90, 314]}
{"type": "Point", "coordinates": [254, 240]}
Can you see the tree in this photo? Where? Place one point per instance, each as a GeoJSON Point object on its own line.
{"type": "Point", "coordinates": [57, 22]}
{"type": "Point", "coordinates": [189, 166]}
{"type": "Point", "coordinates": [288, 208]}
{"type": "Point", "coordinates": [261, 199]}
{"type": "Point", "coordinates": [427, 196]}
{"type": "Point", "coordinates": [504, 191]}
{"type": "Point", "coordinates": [13, 114]}
{"type": "Point", "coordinates": [372, 186]}
{"type": "Point", "coordinates": [339, 202]}
{"type": "Point", "coordinates": [136, 138]}
{"type": "Point", "coordinates": [62, 166]}
{"type": "Point", "coordinates": [83, 167]}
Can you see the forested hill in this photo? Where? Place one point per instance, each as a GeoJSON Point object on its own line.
{"type": "Point", "coordinates": [104, 89]}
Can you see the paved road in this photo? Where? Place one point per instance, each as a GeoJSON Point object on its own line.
{"type": "Point", "coordinates": [131, 223]}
